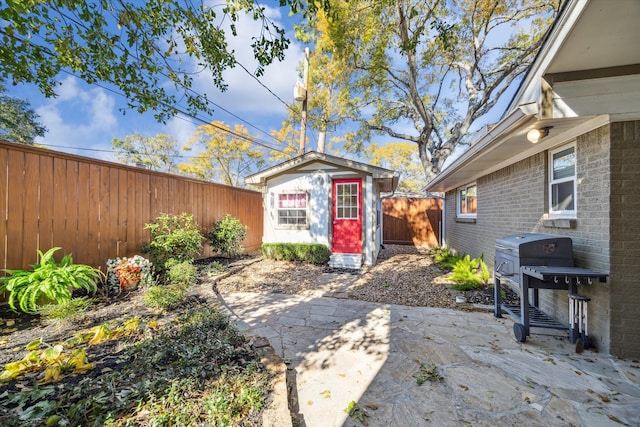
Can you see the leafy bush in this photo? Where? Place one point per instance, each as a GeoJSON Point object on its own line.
{"type": "Point", "coordinates": [313, 253]}
{"type": "Point", "coordinates": [227, 235]}
{"type": "Point", "coordinates": [174, 238]}
{"type": "Point", "coordinates": [183, 274]}
{"type": "Point", "coordinates": [165, 297]}
{"type": "Point", "coordinates": [51, 280]}
{"type": "Point", "coordinates": [470, 274]}
{"type": "Point", "coordinates": [444, 257]}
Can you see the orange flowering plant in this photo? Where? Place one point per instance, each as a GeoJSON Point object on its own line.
{"type": "Point", "coordinates": [128, 273]}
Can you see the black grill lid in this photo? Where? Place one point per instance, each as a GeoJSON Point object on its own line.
{"type": "Point", "coordinates": [516, 242]}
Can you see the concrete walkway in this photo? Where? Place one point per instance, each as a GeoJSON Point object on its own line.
{"type": "Point", "coordinates": [339, 351]}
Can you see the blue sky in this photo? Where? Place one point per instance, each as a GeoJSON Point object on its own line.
{"type": "Point", "coordinates": [87, 117]}
{"type": "Point", "coordinates": [83, 119]}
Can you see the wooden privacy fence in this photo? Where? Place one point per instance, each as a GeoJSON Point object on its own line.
{"type": "Point", "coordinates": [412, 221]}
{"type": "Point", "coordinates": [96, 210]}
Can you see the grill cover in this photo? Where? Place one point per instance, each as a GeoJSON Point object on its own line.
{"type": "Point", "coordinates": [533, 249]}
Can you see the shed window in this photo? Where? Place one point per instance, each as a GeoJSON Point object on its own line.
{"type": "Point", "coordinates": [292, 209]}
{"type": "Point", "coordinates": [562, 182]}
{"type": "Point", "coordinates": [467, 201]}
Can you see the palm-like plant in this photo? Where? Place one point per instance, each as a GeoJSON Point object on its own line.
{"type": "Point", "coordinates": [50, 279]}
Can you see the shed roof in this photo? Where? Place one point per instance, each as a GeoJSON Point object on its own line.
{"type": "Point", "coordinates": [386, 178]}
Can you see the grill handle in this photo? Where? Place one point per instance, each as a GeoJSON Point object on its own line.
{"type": "Point", "coordinates": [501, 273]}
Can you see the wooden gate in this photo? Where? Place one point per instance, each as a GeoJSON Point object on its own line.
{"type": "Point", "coordinates": [412, 221]}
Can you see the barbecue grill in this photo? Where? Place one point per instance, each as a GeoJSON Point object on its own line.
{"type": "Point", "coordinates": [512, 252]}
{"type": "Point", "coordinates": [539, 261]}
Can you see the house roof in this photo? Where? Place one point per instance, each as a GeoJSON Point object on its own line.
{"type": "Point", "coordinates": [590, 63]}
{"type": "Point", "coordinates": [386, 178]}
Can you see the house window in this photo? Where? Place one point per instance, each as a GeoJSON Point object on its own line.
{"type": "Point", "coordinates": [562, 182]}
{"type": "Point", "coordinates": [467, 201]}
{"type": "Point", "coordinates": [292, 209]}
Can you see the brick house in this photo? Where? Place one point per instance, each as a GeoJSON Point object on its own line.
{"type": "Point", "coordinates": [580, 104]}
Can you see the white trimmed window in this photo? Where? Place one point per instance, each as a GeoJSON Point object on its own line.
{"type": "Point", "coordinates": [562, 182]}
{"type": "Point", "coordinates": [467, 201]}
{"type": "Point", "coordinates": [292, 209]}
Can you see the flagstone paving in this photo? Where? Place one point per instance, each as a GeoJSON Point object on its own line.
{"type": "Point", "coordinates": [472, 370]}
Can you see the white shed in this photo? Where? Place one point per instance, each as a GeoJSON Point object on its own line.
{"type": "Point", "coordinates": [319, 198]}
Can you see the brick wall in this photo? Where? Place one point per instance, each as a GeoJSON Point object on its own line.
{"type": "Point", "coordinates": [625, 239]}
{"type": "Point", "coordinates": [510, 201]}
{"type": "Point", "coordinates": [514, 200]}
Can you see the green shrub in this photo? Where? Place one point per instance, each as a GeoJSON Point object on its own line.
{"type": "Point", "coordinates": [183, 274]}
{"type": "Point", "coordinates": [48, 280]}
{"type": "Point", "coordinates": [165, 297]}
{"type": "Point", "coordinates": [66, 310]}
{"type": "Point", "coordinates": [227, 235]}
{"type": "Point", "coordinates": [470, 274]}
{"type": "Point", "coordinates": [313, 253]}
{"type": "Point", "coordinates": [174, 239]}
{"type": "Point", "coordinates": [213, 269]}
{"type": "Point", "coordinates": [444, 257]}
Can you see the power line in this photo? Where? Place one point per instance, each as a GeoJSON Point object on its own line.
{"type": "Point", "coordinates": [177, 109]}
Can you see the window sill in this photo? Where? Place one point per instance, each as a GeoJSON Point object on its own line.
{"type": "Point", "coordinates": [465, 220]}
{"type": "Point", "coordinates": [291, 227]}
{"type": "Point", "coordinates": [560, 223]}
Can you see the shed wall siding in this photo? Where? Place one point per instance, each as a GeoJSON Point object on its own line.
{"type": "Point", "coordinates": [514, 200]}
{"type": "Point", "coordinates": [318, 185]}
{"type": "Point", "coordinates": [625, 239]}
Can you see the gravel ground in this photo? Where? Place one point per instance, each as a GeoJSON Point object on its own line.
{"type": "Point", "coordinates": [403, 275]}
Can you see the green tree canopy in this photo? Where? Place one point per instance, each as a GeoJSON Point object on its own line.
{"type": "Point", "coordinates": [136, 46]}
{"type": "Point", "coordinates": [425, 71]}
{"type": "Point", "coordinates": [152, 152]}
{"type": "Point", "coordinates": [224, 154]}
{"type": "Point", "coordinates": [18, 122]}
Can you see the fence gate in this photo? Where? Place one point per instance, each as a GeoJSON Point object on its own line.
{"type": "Point", "coordinates": [412, 221]}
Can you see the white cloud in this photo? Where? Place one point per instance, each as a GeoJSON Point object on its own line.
{"type": "Point", "coordinates": [245, 96]}
{"type": "Point", "coordinates": [79, 117]}
{"type": "Point", "coordinates": [181, 129]}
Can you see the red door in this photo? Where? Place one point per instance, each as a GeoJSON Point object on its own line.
{"type": "Point", "coordinates": [347, 216]}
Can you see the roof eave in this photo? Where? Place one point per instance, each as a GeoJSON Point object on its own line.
{"type": "Point", "coordinates": [517, 118]}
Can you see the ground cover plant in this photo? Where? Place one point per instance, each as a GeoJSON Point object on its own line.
{"type": "Point", "coordinates": [184, 368]}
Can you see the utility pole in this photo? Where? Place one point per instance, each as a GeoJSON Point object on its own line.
{"type": "Point", "coordinates": [303, 118]}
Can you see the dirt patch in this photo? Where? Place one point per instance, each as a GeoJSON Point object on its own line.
{"type": "Point", "coordinates": [403, 275]}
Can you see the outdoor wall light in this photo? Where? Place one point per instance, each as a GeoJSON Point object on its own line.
{"type": "Point", "coordinates": [535, 135]}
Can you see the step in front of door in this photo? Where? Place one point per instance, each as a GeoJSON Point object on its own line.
{"type": "Point", "coordinates": [345, 261]}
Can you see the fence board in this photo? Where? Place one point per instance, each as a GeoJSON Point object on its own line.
{"type": "Point", "coordinates": [31, 206]}
{"type": "Point", "coordinates": [46, 188]}
{"type": "Point", "coordinates": [412, 221]}
{"type": "Point", "coordinates": [72, 187]}
{"type": "Point", "coordinates": [87, 206]}
{"type": "Point", "coordinates": [4, 185]}
{"type": "Point", "coordinates": [15, 209]}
